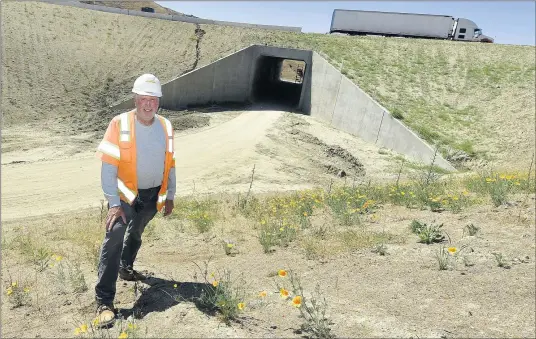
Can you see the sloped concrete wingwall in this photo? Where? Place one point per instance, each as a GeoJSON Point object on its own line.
{"type": "Point", "coordinates": [341, 103]}
{"type": "Point", "coordinates": [225, 80]}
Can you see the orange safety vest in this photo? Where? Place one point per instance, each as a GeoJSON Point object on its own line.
{"type": "Point", "coordinates": [118, 148]}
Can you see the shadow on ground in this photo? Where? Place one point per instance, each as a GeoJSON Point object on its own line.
{"type": "Point", "coordinates": [232, 106]}
{"type": "Point", "coordinates": [162, 294]}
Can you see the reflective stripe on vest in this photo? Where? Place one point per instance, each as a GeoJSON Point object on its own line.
{"type": "Point", "coordinates": [124, 132]}
{"type": "Point", "coordinates": [110, 149]}
{"type": "Point", "coordinates": [125, 190]}
{"type": "Point", "coordinates": [169, 134]}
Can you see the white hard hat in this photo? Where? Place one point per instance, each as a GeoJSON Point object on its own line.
{"type": "Point", "coordinates": [147, 84]}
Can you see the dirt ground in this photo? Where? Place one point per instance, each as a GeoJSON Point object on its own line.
{"type": "Point", "coordinates": [289, 152]}
{"type": "Point", "coordinates": [401, 294]}
{"type": "Point", "coordinates": [51, 193]}
{"type": "Point", "coordinates": [215, 158]}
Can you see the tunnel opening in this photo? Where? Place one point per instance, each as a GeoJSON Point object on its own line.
{"type": "Point", "coordinates": [278, 82]}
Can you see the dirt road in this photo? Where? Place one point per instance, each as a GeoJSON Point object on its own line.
{"type": "Point", "coordinates": [218, 158]}
{"type": "Point", "coordinates": [207, 158]}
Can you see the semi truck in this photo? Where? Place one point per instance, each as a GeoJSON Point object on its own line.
{"type": "Point", "coordinates": [408, 25]}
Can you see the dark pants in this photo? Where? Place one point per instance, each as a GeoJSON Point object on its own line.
{"type": "Point", "coordinates": [122, 242]}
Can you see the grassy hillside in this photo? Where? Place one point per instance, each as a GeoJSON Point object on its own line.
{"type": "Point", "coordinates": [70, 63]}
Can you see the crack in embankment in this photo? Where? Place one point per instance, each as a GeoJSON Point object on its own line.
{"type": "Point", "coordinates": [199, 35]}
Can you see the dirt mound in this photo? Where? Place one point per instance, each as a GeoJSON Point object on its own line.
{"type": "Point", "coordinates": [333, 158]}
{"type": "Point", "coordinates": [186, 121]}
{"type": "Point", "coordinates": [340, 153]}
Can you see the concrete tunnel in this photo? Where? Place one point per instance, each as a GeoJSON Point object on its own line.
{"type": "Point", "coordinates": [278, 81]}
{"type": "Point", "coordinates": [263, 76]}
{"type": "Point", "coordinates": [255, 75]}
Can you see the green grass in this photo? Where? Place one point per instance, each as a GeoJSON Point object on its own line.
{"type": "Point", "coordinates": [442, 90]}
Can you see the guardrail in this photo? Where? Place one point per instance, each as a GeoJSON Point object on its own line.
{"type": "Point", "coordinates": [181, 18]}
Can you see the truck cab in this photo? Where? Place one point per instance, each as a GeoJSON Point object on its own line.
{"type": "Point", "coordinates": [467, 30]}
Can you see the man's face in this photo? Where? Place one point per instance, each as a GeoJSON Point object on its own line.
{"type": "Point", "coordinates": [146, 106]}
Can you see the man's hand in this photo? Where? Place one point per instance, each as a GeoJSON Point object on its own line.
{"type": "Point", "coordinates": [113, 214]}
{"type": "Point", "coordinates": [168, 207]}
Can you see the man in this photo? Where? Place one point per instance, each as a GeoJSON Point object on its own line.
{"type": "Point", "coordinates": [138, 180]}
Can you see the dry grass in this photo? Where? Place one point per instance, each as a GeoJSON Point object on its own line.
{"type": "Point", "coordinates": [50, 266]}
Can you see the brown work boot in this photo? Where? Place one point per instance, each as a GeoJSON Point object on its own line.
{"type": "Point", "coordinates": [130, 274]}
{"type": "Point", "coordinates": [105, 316]}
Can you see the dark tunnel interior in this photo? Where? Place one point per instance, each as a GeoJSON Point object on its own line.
{"type": "Point", "coordinates": [278, 82]}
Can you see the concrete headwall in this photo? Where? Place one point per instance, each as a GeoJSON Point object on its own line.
{"type": "Point", "coordinates": [326, 95]}
{"type": "Point", "coordinates": [225, 80]}
{"type": "Point", "coordinates": [229, 79]}
{"type": "Point", "coordinates": [182, 18]}
{"type": "Point", "coordinates": [341, 103]}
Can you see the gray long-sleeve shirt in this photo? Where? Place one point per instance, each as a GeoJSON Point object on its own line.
{"type": "Point", "coordinates": [150, 157]}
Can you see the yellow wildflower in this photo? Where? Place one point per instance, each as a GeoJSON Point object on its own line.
{"type": "Point", "coordinates": [241, 306]}
{"type": "Point", "coordinates": [284, 293]}
{"type": "Point", "coordinates": [14, 284]}
{"type": "Point", "coordinates": [77, 331]}
{"type": "Point", "coordinates": [452, 250]}
{"type": "Point", "coordinates": [282, 273]}
{"type": "Point", "coordinates": [123, 335]}
{"type": "Point", "coordinates": [83, 328]}
{"type": "Point", "coordinates": [59, 257]}
{"type": "Point", "coordinates": [215, 283]}
{"type": "Point", "coordinates": [263, 294]}
{"type": "Point", "coordinates": [175, 286]}
{"type": "Point", "coordinates": [9, 291]}
{"type": "Point", "coordinates": [297, 301]}
{"type": "Point", "coordinates": [230, 245]}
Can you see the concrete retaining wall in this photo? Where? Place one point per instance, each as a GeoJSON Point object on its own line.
{"type": "Point", "coordinates": [225, 80]}
{"type": "Point", "coordinates": [326, 95]}
{"type": "Point", "coordinates": [341, 103]}
{"type": "Point", "coordinates": [182, 18]}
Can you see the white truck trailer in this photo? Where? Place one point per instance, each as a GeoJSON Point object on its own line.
{"type": "Point", "coordinates": [410, 25]}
